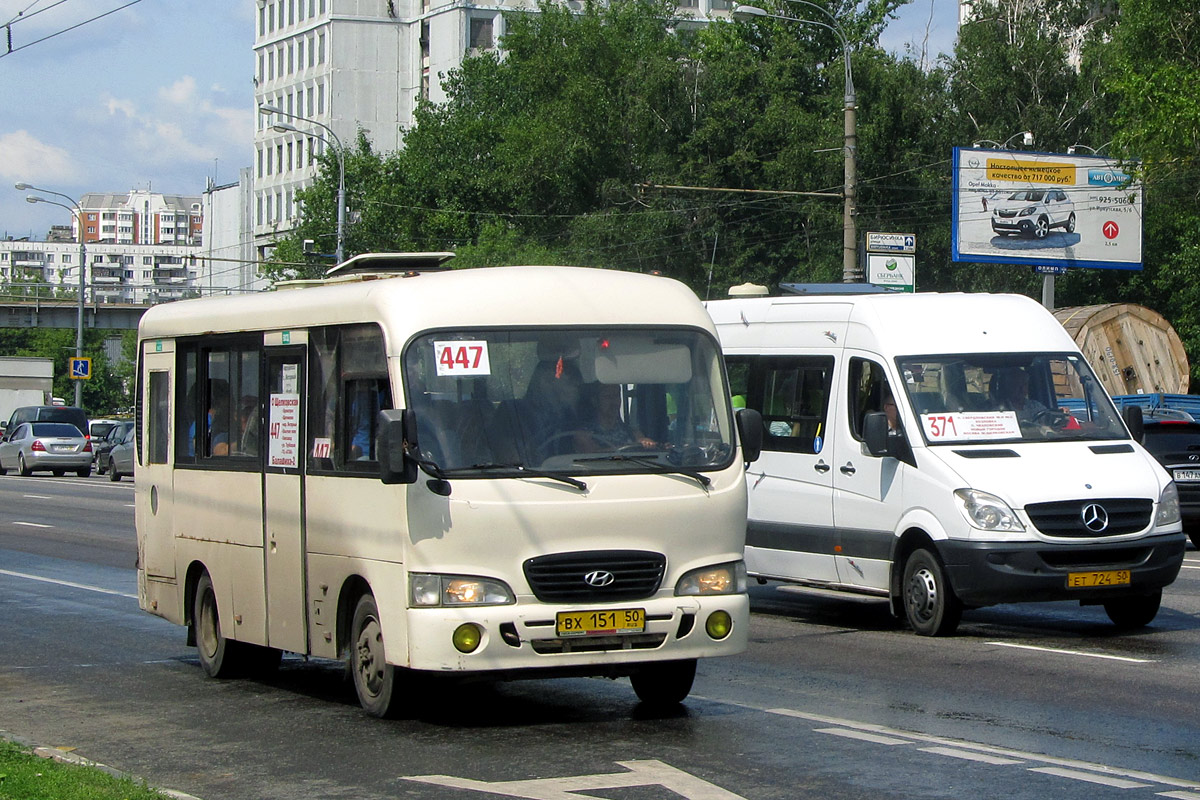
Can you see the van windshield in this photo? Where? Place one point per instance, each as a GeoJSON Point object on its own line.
{"type": "Point", "coordinates": [580, 401]}
{"type": "Point", "coordinates": [1008, 397]}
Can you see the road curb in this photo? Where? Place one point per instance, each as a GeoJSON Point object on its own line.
{"type": "Point", "coordinates": [70, 757]}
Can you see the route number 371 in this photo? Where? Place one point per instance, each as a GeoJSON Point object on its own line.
{"type": "Point", "coordinates": [462, 358]}
{"type": "Point", "coordinates": [940, 426]}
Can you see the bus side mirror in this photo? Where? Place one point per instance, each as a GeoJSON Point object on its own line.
{"type": "Point", "coordinates": [750, 432]}
{"type": "Point", "coordinates": [1134, 421]}
{"type": "Point", "coordinates": [395, 436]}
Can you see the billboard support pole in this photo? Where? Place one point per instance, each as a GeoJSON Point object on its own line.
{"type": "Point", "coordinates": [1048, 292]}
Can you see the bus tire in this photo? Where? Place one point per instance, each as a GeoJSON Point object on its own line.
{"type": "Point", "coordinates": [664, 684]}
{"type": "Point", "coordinates": [374, 678]}
{"type": "Point", "coordinates": [1139, 611]}
{"type": "Point", "coordinates": [218, 655]}
{"type": "Point", "coordinates": [930, 604]}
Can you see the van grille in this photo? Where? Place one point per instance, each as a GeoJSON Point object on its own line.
{"type": "Point", "coordinates": [560, 578]}
{"type": "Point", "coordinates": [1066, 518]}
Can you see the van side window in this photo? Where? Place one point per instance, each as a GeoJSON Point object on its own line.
{"type": "Point", "coordinates": [217, 380]}
{"type": "Point", "coordinates": [791, 393]}
{"type": "Point", "coordinates": [348, 386]}
{"type": "Point", "coordinates": [867, 390]}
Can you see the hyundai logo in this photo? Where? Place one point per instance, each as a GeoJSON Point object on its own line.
{"type": "Point", "coordinates": [1094, 517]}
{"type": "Point", "coordinates": [599, 578]}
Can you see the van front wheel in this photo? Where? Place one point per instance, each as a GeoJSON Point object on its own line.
{"type": "Point", "coordinates": [1134, 612]}
{"type": "Point", "coordinates": [930, 604]}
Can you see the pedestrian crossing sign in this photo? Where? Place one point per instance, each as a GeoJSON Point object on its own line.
{"type": "Point", "coordinates": [81, 369]}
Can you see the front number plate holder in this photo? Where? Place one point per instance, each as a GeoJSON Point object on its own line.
{"type": "Point", "coordinates": [600, 623]}
{"type": "Point", "coordinates": [1109, 577]}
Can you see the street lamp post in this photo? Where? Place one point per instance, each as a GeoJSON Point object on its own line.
{"type": "Point", "coordinates": [78, 213]}
{"type": "Point", "coordinates": [282, 127]}
{"type": "Point", "coordinates": [851, 272]}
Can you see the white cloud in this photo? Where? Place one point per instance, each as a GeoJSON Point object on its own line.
{"type": "Point", "coordinates": [181, 92]}
{"type": "Point", "coordinates": [22, 157]}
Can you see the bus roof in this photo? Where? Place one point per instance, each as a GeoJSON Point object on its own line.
{"type": "Point", "coordinates": [404, 305]}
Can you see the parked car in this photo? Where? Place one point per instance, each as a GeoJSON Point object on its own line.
{"type": "Point", "coordinates": [1033, 212]}
{"type": "Point", "coordinates": [102, 446]}
{"type": "Point", "coordinates": [120, 458]}
{"type": "Point", "coordinates": [1173, 437]}
{"type": "Point", "coordinates": [54, 446]}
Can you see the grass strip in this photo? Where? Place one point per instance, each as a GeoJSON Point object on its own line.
{"type": "Point", "coordinates": [24, 776]}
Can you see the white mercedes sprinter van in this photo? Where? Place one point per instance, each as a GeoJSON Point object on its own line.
{"type": "Point", "coordinates": [915, 449]}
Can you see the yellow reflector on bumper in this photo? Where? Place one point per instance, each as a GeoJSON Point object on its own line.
{"type": "Point", "coordinates": [467, 637]}
{"type": "Point", "coordinates": [719, 624]}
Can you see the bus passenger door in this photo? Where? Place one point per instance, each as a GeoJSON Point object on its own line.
{"type": "Point", "coordinates": [155, 475]}
{"type": "Point", "coordinates": [283, 415]}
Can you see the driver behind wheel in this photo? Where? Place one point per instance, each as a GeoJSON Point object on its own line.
{"type": "Point", "coordinates": [604, 425]}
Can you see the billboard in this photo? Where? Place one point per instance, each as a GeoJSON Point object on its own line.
{"type": "Point", "coordinates": [1045, 209]}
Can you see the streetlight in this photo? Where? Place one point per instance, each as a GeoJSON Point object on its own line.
{"type": "Point", "coordinates": [850, 268]}
{"type": "Point", "coordinates": [284, 127]}
{"type": "Point", "coordinates": [1026, 140]}
{"type": "Point", "coordinates": [77, 211]}
{"type": "Point", "coordinates": [1073, 149]}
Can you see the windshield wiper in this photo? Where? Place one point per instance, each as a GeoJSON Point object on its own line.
{"type": "Point", "coordinates": [536, 473]}
{"type": "Point", "coordinates": [661, 469]}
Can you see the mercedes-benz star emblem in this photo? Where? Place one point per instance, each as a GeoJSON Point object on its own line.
{"type": "Point", "coordinates": [1095, 518]}
{"type": "Point", "coordinates": [598, 578]}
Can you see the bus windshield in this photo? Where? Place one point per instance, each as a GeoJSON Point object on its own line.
{"type": "Point", "coordinates": [580, 401]}
{"type": "Point", "coordinates": [1009, 397]}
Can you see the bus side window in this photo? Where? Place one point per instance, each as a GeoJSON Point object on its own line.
{"type": "Point", "coordinates": [348, 385]}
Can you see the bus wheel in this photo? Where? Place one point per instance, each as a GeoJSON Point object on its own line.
{"type": "Point", "coordinates": [930, 604]}
{"type": "Point", "coordinates": [218, 655]}
{"type": "Point", "coordinates": [374, 678]}
{"type": "Point", "coordinates": [1134, 612]}
{"type": "Point", "coordinates": [665, 684]}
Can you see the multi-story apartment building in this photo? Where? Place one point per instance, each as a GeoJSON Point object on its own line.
{"type": "Point", "coordinates": [140, 217]}
{"type": "Point", "coordinates": [116, 273]}
{"type": "Point", "coordinates": [361, 64]}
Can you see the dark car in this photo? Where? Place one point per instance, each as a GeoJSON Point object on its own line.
{"type": "Point", "coordinates": [120, 458]}
{"type": "Point", "coordinates": [1173, 437]}
{"type": "Point", "coordinates": [101, 447]}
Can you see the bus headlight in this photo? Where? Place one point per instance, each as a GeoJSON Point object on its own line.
{"type": "Point", "coordinates": [721, 579]}
{"type": "Point", "coordinates": [427, 591]}
{"type": "Point", "coordinates": [986, 511]}
{"type": "Point", "coordinates": [1168, 506]}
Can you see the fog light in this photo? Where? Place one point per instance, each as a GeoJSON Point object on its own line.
{"type": "Point", "coordinates": [719, 624]}
{"type": "Point", "coordinates": [467, 637]}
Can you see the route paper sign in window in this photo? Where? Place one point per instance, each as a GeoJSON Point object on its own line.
{"type": "Point", "coordinates": [462, 358]}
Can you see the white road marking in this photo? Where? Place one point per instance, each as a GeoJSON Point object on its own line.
{"type": "Point", "coordinates": [1180, 795]}
{"type": "Point", "coordinates": [641, 773]}
{"type": "Point", "coordinates": [70, 584]}
{"type": "Point", "coordinates": [967, 755]}
{"type": "Point", "coordinates": [862, 735]}
{"type": "Point", "coordinates": [1084, 767]}
{"type": "Point", "coordinates": [1190, 566]}
{"type": "Point", "coordinates": [1090, 777]}
{"type": "Point", "coordinates": [37, 496]}
{"type": "Point", "coordinates": [1073, 653]}
{"type": "Point", "coordinates": [33, 525]}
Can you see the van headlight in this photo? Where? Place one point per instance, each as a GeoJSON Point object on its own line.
{"type": "Point", "coordinates": [1027, 211]}
{"type": "Point", "coordinates": [986, 511]}
{"type": "Point", "coordinates": [427, 591]}
{"type": "Point", "coordinates": [1168, 506]}
{"type": "Point", "coordinates": [721, 579]}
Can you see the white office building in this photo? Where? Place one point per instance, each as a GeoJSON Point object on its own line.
{"type": "Point", "coordinates": [351, 64]}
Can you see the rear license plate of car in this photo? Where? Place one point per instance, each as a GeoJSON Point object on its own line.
{"type": "Point", "coordinates": [1186, 474]}
{"type": "Point", "coordinates": [1109, 577]}
{"type": "Point", "coordinates": [596, 623]}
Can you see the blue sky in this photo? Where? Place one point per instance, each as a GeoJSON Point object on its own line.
{"type": "Point", "coordinates": [160, 94]}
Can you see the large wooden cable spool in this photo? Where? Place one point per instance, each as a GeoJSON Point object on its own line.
{"type": "Point", "coordinates": [1131, 348]}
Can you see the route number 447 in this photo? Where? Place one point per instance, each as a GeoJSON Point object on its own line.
{"type": "Point", "coordinates": [462, 358]}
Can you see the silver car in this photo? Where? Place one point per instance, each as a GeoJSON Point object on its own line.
{"type": "Point", "coordinates": [1033, 212]}
{"type": "Point", "coordinates": [120, 457]}
{"type": "Point", "coordinates": [47, 446]}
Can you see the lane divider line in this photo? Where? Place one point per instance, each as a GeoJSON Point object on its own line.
{"type": "Point", "coordinates": [862, 736]}
{"type": "Point", "coordinates": [70, 584]}
{"type": "Point", "coordinates": [1058, 651]}
{"type": "Point", "coordinates": [1090, 777]}
{"type": "Point", "coordinates": [32, 525]}
{"type": "Point", "coordinates": [954, 752]}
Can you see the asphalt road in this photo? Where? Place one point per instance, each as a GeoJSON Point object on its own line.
{"type": "Point", "coordinates": [833, 699]}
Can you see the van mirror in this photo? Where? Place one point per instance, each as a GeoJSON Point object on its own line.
{"type": "Point", "coordinates": [750, 432]}
{"type": "Point", "coordinates": [875, 432]}
{"type": "Point", "coordinates": [1134, 421]}
{"type": "Point", "coordinates": [395, 436]}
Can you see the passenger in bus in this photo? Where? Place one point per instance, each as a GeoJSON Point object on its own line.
{"type": "Point", "coordinates": [552, 406]}
{"type": "Point", "coordinates": [247, 420]}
